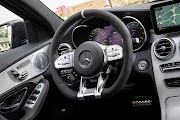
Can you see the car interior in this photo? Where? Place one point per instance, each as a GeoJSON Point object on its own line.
{"type": "Point", "coordinates": [114, 63]}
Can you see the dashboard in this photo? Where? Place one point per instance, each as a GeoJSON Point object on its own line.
{"type": "Point", "coordinates": [154, 29]}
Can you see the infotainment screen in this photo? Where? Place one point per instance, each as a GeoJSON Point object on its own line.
{"type": "Point", "coordinates": [166, 17]}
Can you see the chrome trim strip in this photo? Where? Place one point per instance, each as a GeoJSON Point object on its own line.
{"type": "Point", "coordinates": [73, 33]}
{"type": "Point", "coordinates": [145, 32]}
{"type": "Point", "coordinates": [96, 92]}
{"type": "Point", "coordinates": [82, 14]}
{"type": "Point", "coordinates": [172, 51]}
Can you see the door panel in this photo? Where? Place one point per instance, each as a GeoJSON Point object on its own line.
{"type": "Point", "coordinates": [12, 56]}
{"type": "Point", "coordinates": [10, 80]}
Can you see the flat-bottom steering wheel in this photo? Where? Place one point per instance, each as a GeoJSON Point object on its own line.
{"type": "Point", "coordinates": [89, 59]}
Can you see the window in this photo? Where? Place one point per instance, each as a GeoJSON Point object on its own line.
{"type": "Point", "coordinates": [6, 29]}
{"type": "Point", "coordinates": [66, 8]}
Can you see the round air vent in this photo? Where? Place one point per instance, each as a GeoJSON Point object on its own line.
{"type": "Point", "coordinates": [64, 48]}
{"type": "Point", "coordinates": [164, 48]}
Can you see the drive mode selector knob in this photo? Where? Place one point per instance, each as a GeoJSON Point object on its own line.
{"type": "Point", "coordinates": [41, 61]}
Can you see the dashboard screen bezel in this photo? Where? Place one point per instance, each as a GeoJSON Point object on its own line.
{"type": "Point", "coordinates": [153, 17]}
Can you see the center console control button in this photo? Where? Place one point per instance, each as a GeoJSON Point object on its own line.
{"type": "Point", "coordinates": [169, 67]}
{"type": "Point", "coordinates": [174, 82]}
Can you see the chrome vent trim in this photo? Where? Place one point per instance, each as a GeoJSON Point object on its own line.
{"type": "Point", "coordinates": [164, 48]}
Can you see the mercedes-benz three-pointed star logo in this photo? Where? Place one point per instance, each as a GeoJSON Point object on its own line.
{"type": "Point", "coordinates": [85, 59]}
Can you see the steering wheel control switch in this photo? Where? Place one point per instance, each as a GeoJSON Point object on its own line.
{"type": "Point", "coordinates": [34, 96]}
{"type": "Point", "coordinates": [16, 76]}
{"type": "Point", "coordinates": [70, 77]}
{"type": "Point", "coordinates": [64, 61]}
{"type": "Point", "coordinates": [114, 52]}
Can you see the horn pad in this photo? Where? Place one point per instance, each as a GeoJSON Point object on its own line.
{"type": "Point", "coordinates": [88, 59]}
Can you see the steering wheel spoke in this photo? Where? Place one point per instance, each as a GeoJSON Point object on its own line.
{"type": "Point", "coordinates": [65, 61]}
{"type": "Point", "coordinates": [91, 92]}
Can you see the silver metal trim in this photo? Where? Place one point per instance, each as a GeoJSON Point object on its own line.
{"type": "Point", "coordinates": [172, 51]}
{"type": "Point", "coordinates": [34, 101]}
{"type": "Point", "coordinates": [73, 33]}
{"type": "Point", "coordinates": [65, 61]}
{"type": "Point", "coordinates": [170, 69]}
{"type": "Point", "coordinates": [111, 52]}
{"type": "Point", "coordinates": [145, 32]}
{"type": "Point", "coordinates": [114, 52]}
{"type": "Point", "coordinates": [82, 89]}
{"type": "Point", "coordinates": [82, 14]}
{"type": "Point", "coordinates": [34, 65]}
{"type": "Point", "coordinates": [65, 45]}
{"type": "Point", "coordinates": [100, 86]}
{"type": "Point", "coordinates": [87, 92]}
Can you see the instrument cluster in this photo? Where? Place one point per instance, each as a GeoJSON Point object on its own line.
{"type": "Point", "coordinates": [108, 35]}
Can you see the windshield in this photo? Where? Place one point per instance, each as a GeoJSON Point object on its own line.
{"type": "Point", "coordinates": [66, 8]}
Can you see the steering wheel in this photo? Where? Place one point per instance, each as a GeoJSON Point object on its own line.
{"type": "Point", "coordinates": [90, 57]}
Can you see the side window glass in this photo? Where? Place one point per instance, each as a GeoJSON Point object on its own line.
{"type": "Point", "coordinates": [9, 39]}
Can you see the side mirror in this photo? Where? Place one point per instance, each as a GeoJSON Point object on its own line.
{"type": "Point", "coordinates": [5, 37]}
{"type": "Point", "coordinates": [12, 35]}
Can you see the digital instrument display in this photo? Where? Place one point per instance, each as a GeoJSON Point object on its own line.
{"type": "Point", "coordinates": [109, 36]}
{"type": "Point", "coordinates": [166, 17]}
{"type": "Point", "coordinates": [137, 34]}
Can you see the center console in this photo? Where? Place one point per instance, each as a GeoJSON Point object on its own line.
{"type": "Point", "coordinates": [165, 53]}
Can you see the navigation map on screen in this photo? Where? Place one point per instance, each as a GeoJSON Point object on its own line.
{"type": "Point", "coordinates": [167, 16]}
